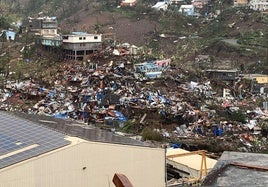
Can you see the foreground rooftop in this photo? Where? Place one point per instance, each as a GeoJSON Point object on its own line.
{"type": "Point", "coordinates": [239, 169]}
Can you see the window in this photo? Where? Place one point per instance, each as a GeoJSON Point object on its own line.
{"type": "Point", "coordinates": [80, 38]}
{"type": "Point", "coordinates": [65, 37]}
{"type": "Point", "coordinates": [95, 37]}
{"type": "Point", "coordinates": [84, 38]}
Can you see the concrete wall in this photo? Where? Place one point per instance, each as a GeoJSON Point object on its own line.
{"type": "Point", "coordinates": [82, 38]}
{"type": "Point", "coordinates": [82, 46]}
{"type": "Point", "coordinates": [50, 32]}
{"type": "Point", "coordinates": [89, 164]}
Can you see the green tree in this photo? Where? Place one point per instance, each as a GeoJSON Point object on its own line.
{"type": "Point", "coordinates": [238, 116]}
{"type": "Point", "coordinates": [4, 23]}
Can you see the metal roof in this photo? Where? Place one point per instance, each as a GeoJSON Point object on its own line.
{"type": "Point", "coordinates": [21, 139]}
{"type": "Point", "coordinates": [87, 132]}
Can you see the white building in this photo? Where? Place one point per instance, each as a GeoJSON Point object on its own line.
{"type": "Point", "coordinates": [161, 6]}
{"type": "Point", "coordinates": [128, 2]}
{"type": "Point", "coordinates": [187, 10]}
{"type": "Point", "coordinates": [32, 155]}
{"type": "Point", "coordinates": [79, 44]}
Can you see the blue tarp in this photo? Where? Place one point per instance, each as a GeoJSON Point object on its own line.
{"type": "Point", "coordinates": [120, 116]}
{"type": "Point", "coordinates": [175, 145]}
{"type": "Point", "coordinates": [217, 131]}
{"type": "Point", "coordinates": [150, 98]}
{"type": "Point", "coordinates": [114, 87]}
{"type": "Point", "coordinates": [51, 93]}
{"type": "Point", "coordinates": [163, 99]}
{"type": "Point", "coordinates": [41, 89]}
{"type": "Point", "coordinates": [61, 115]}
{"type": "Point", "coordinates": [86, 98]}
{"type": "Point", "coordinates": [134, 100]}
{"type": "Point", "coordinates": [163, 113]}
{"type": "Point", "coordinates": [99, 96]}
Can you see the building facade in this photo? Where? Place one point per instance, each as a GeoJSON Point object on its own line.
{"type": "Point", "coordinates": [43, 26]}
{"type": "Point", "coordinates": [79, 44]}
{"type": "Point", "coordinates": [259, 5]}
{"type": "Point", "coordinates": [223, 75]}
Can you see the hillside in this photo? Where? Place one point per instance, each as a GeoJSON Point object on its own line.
{"type": "Point", "coordinates": [171, 34]}
{"type": "Point", "coordinates": [168, 33]}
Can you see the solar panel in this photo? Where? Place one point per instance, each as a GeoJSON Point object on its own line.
{"type": "Point", "coordinates": [21, 139]}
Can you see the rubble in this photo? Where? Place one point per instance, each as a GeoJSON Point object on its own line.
{"type": "Point", "coordinates": [174, 104]}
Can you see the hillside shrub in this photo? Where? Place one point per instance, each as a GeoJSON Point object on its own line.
{"type": "Point", "coordinates": [150, 134]}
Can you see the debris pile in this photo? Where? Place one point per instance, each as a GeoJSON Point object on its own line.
{"type": "Point", "coordinates": [174, 104]}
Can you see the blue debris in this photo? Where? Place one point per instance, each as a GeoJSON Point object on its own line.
{"type": "Point", "coordinates": [175, 145]}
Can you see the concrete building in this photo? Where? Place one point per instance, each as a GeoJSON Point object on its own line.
{"type": "Point", "coordinates": [51, 41]}
{"type": "Point", "coordinates": [47, 30]}
{"type": "Point", "coordinates": [34, 155]}
{"type": "Point", "coordinates": [79, 44]}
{"type": "Point", "coordinates": [222, 75]}
{"type": "Point", "coordinates": [259, 5]}
{"type": "Point", "coordinates": [43, 26]}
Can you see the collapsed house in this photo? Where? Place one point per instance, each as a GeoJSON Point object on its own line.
{"type": "Point", "coordinates": [153, 69]}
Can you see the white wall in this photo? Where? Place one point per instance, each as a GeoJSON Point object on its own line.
{"type": "Point", "coordinates": [51, 32]}
{"type": "Point", "coordinates": [82, 38]}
